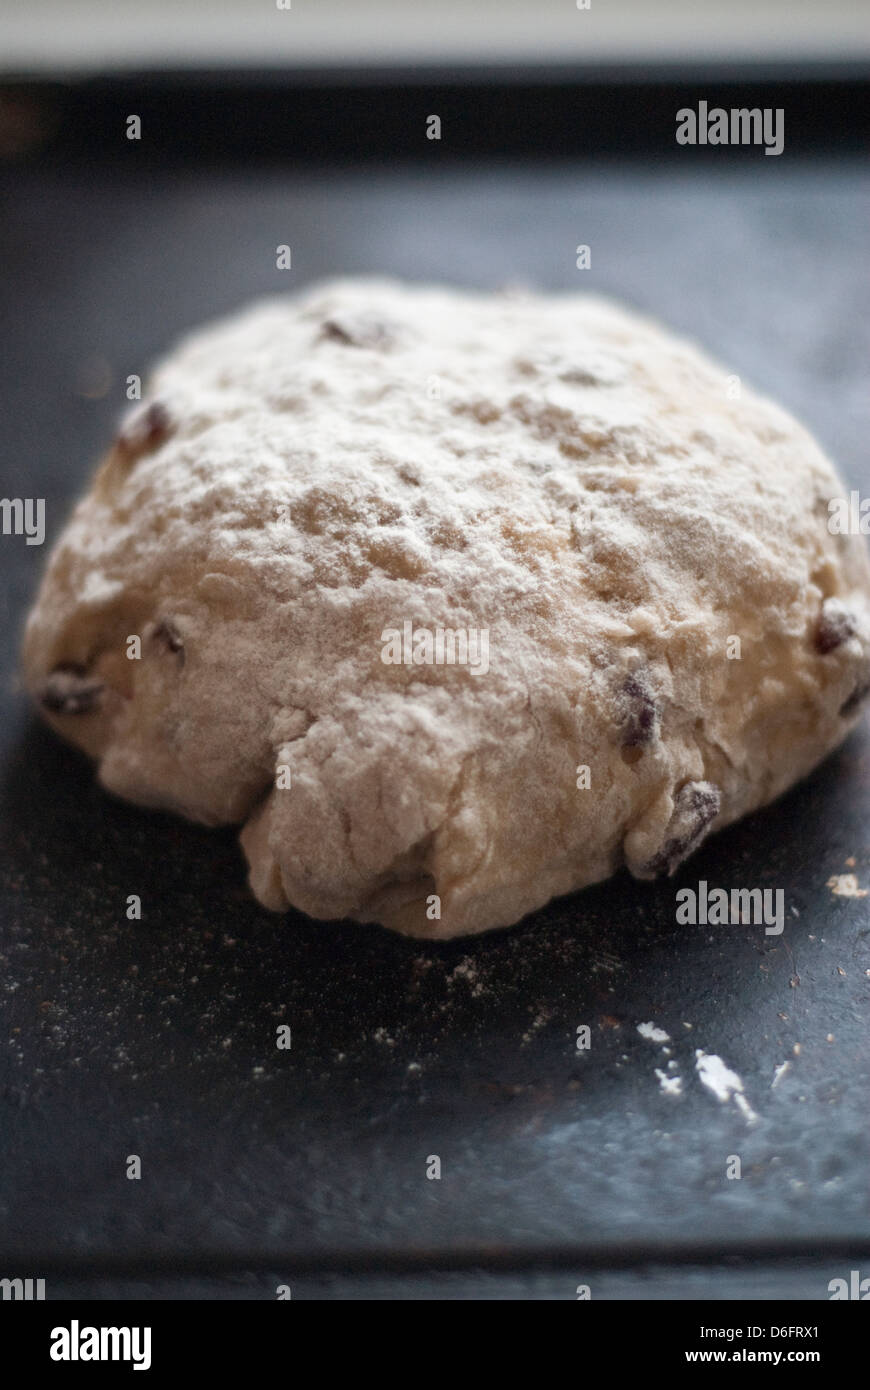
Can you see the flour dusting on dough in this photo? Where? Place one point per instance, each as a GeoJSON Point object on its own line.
{"type": "Point", "coordinates": [550, 476]}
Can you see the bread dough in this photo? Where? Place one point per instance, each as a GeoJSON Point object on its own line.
{"type": "Point", "coordinates": [630, 552]}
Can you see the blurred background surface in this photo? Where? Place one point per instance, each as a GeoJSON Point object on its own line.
{"type": "Point", "coordinates": [87, 35]}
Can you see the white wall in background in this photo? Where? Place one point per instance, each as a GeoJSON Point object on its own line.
{"type": "Point", "coordinates": [82, 35]}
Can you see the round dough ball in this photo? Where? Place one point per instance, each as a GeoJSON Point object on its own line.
{"type": "Point", "coordinates": [458, 601]}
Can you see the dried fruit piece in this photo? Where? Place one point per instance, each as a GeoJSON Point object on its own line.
{"type": "Point", "coordinates": [145, 429]}
{"type": "Point", "coordinates": [834, 627]}
{"type": "Point", "coordinates": [167, 633]}
{"type": "Point", "coordinates": [71, 690]}
{"type": "Point", "coordinates": [696, 806]}
{"type": "Point", "coordinates": [361, 331]}
{"type": "Point", "coordinates": [641, 712]}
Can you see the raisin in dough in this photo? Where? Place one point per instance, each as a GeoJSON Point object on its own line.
{"type": "Point", "coordinates": [551, 470]}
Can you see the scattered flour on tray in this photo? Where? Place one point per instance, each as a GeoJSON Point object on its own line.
{"type": "Point", "coordinates": [722, 1081]}
{"type": "Point", "coordinates": [654, 1034]}
{"type": "Point", "coordinates": [846, 886]}
{"type": "Point", "coordinates": [779, 1073]}
{"type": "Point", "coordinates": [671, 1085]}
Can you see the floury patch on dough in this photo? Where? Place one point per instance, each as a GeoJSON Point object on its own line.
{"type": "Point", "coordinates": [583, 488]}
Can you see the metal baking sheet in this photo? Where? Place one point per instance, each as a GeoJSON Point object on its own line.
{"type": "Point", "coordinates": [157, 1037]}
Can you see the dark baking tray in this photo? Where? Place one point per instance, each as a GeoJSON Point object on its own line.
{"type": "Point", "coordinates": [157, 1038]}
